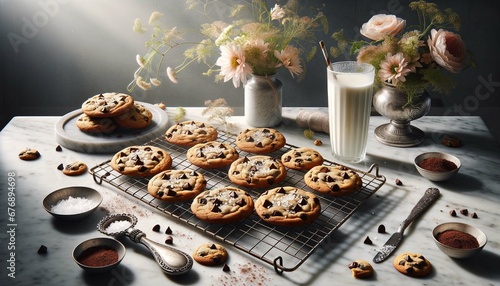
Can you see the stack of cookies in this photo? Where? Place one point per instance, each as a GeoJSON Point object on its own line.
{"type": "Point", "coordinates": [104, 112]}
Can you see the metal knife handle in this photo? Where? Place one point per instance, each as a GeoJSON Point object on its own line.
{"type": "Point", "coordinates": [429, 196]}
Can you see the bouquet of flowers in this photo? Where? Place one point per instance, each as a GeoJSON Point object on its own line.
{"type": "Point", "coordinates": [415, 59]}
{"type": "Point", "coordinates": [257, 40]}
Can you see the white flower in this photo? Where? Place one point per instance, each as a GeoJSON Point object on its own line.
{"type": "Point", "coordinates": [142, 84]}
{"type": "Point", "coordinates": [138, 26]}
{"type": "Point", "coordinates": [289, 58]}
{"type": "Point", "coordinates": [224, 36]}
{"type": "Point", "coordinates": [140, 61]}
{"type": "Point", "coordinates": [233, 65]}
{"type": "Point", "coordinates": [154, 16]}
{"type": "Point", "coordinates": [155, 81]}
{"type": "Point", "coordinates": [277, 12]}
{"type": "Point", "coordinates": [171, 75]}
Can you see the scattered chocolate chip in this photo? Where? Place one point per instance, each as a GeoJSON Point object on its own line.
{"type": "Point", "coordinates": [156, 228]}
{"type": "Point", "coordinates": [474, 215]}
{"type": "Point", "coordinates": [60, 167]}
{"type": "Point", "coordinates": [353, 265]}
{"type": "Point", "coordinates": [168, 230]}
{"type": "Point", "coordinates": [464, 212]}
{"type": "Point", "coordinates": [398, 182]}
{"type": "Point", "coordinates": [368, 240]}
{"type": "Point", "coordinates": [226, 268]}
{"type": "Point", "coordinates": [42, 249]}
{"type": "Point", "coordinates": [381, 228]}
{"type": "Point", "coordinates": [453, 213]}
{"type": "Point", "coordinates": [169, 240]}
{"type": "Point", "coordinates": [58, 148]}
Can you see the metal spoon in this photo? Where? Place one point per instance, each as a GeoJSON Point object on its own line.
{"type": "Point", "coordinates": [171, 260]}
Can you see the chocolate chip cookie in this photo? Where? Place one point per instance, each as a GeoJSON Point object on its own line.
{"type": "Point", "coordinates": [260, 140]}
{"type": "Point", "coordinates": [288, 206]}
{"type": "Point", "coordinates": [223, 205]}
{"type": "Point", "coordinates": [141, 161]}
{"type": "Point", "coordinates": [412, 264]}
{"type": "Point", "coordinates": [176, 185]}
{"type": "Point", "coordinates": [257, 171]}
{"type": "Point", "coordinates": [109, 104]}
{"type": "Point", "coordinates": [361, 269]}
{"type": "Point", "coordinates": [75, 168]}
{"type": "Point", "coordinates": [95, 124]}
{"type": "Point", "coordinates": [212, 154]}
{"type": "Point", "coordinates": [333, 180]}
{"type": "Point", "coordinates": [29, 154]}
{"type": "Point", "coordinates": [302, 158]}
{"type": "Point", "coordinates": [190, 133]}
{"type": "Point", "coordinates": [210, 254]}
{"type": "Point", "coordinates": [137, 117]}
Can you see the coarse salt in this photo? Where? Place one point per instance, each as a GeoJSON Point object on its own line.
{"type": "Point", "coordinates": [73, 205]}
{"type": "Point", "coordinates": [118, 226]}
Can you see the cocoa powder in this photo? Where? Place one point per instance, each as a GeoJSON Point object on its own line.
{"type": "Point", "coordinates": [98, 256]}
{"type": "Point", "coordinates": [457, 239]}
{"type": "Point", "coordinates": [437, 165]}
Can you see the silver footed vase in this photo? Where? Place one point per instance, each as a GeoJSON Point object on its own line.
{"type": "Point", "coordinates": [392, 103]}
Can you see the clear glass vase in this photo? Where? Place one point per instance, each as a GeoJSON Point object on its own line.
{"type": "Point", "coordinates": [263, 101]}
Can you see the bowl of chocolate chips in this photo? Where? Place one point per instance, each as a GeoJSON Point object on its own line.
{"type": "Point", "coordinates": [459, 240]}
{"type": "Point", "coordinates": [437, 166]}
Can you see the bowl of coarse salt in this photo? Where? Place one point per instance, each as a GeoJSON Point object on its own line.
{"type": "Point", "coordinates": [72, 203]}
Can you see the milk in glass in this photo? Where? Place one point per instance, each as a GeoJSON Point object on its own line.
{"type": "Point", "coordinates": [350, 90]}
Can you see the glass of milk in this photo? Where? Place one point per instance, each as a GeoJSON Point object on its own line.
{"type": "Point", "coordinates": [350, 90]}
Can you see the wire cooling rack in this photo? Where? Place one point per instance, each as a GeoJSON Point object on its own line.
{"type": "Point", "coordinates": [276, 245]}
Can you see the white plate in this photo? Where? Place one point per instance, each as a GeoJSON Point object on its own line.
{"type": "Point", "coordinates": [70, 136]}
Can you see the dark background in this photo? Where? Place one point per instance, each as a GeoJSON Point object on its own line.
{"type": "Point", "coordinates": [54, 54]}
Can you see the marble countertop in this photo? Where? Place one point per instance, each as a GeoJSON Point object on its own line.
{"type": "Point", "coordinates": [476, 188]}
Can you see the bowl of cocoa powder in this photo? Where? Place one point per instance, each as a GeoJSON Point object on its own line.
{"type": "Point", "coordinates": [98, 255]}
{"type": "Point", "coordinates": [437, 166]}
{"type": "Point", "coordinates": [459, 240]}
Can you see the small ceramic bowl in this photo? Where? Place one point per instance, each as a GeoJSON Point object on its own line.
{"type": "Point", "coordinates": [57, 196]}
{"type": "Point", "coordinates": [437, 176]}
{"type": "Point", "coordinates": [95, 243]}
{"type": "Point", "coordinates": [459, 252]}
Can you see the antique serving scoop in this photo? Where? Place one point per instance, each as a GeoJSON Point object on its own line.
{"type": "Point", "coordinates": [171, 260]}
{"type": "Point", "coordinates": [430, 195]}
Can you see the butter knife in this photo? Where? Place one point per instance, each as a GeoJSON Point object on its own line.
{"type": "Point", "coordinates": [431, 194]}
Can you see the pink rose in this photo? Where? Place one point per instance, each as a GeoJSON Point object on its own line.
{"type": "Point", "coordinates": [381, 25]}
{"type": "Point", "coordinates": [447, 49]}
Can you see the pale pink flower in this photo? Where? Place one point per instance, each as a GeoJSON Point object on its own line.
{"type": "Point", "coordinates": [381, 25]}
{"type": "Point", "coordinates": [394, 68]}
{"type": "Point", "coordinates": [277, 12]}
{"type": "Point", "coordinates": [171, 75]}
{"type": "Point", "coordinates": [447, 49]}
{"type": "Point", "coordinates": [233, 65]}
{"type": "Point", "coordinates": [289, 58]}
